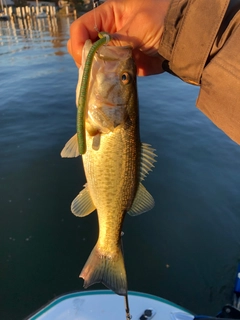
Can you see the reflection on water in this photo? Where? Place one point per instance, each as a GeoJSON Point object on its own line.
{"type": "Point", "coordinates": [26, 33]}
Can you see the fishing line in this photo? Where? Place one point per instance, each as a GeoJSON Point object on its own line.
{"type": "Point", "coordinates": [128, 315]}
{"type": "Point", "coordinates": [95, 5]}
{"type": "Point", "coordinates": [127, 309]}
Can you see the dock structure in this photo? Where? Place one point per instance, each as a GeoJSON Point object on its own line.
{"type": "Point", "coordinates": [32, 10]}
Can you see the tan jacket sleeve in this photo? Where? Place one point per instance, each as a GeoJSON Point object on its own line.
{"type": "Point", "coordinates": [201, 45]}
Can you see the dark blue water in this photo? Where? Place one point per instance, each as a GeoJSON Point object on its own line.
{"type": "Point", "coordinates": [186, 249]}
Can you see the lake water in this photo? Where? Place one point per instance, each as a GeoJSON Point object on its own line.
{"type": "Point", "coordinates": [186, 249]}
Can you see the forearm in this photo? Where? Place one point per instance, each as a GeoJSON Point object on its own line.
{"type": "Point", "coordinates": [201, 45]}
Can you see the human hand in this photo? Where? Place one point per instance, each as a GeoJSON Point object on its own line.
{"type": "Point", "coordinates": [138, 23]}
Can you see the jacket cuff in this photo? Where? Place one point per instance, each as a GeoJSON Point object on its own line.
{"type": "Point", "coordinates": [189, 33]}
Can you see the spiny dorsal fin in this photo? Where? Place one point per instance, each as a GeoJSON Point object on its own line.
{"type": "Point", "coordinates": [147, 159]}
{"type": "Point", "coordinates": [82, 205]}
{"type": "Point", "coordinates": [70, 149]}
{"type": "Point", "coordinates": [143, 201]}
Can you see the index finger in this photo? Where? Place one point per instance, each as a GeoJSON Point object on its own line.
{"type": "Point", "coordinates": [87, 27]}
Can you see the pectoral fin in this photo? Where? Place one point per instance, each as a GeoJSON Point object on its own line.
{"type": "Point", "coordinates": [82, 205]}
{"type": "Point", "coordinates": [70, 149]}
{"type": "Point", "coordinates": [96, 141]}
{"type": "Point", "coordinates": [143, 201]}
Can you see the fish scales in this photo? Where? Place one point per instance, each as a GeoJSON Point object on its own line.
{"type": "Point", "coordinates": [115, 162]}
{"type": "Point", "coordinates": [113, 188]}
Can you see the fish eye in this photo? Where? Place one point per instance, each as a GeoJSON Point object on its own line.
{"type": "Point", "coordinates": [126, 78]}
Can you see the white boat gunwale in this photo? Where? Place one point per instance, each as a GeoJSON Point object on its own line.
{"type": "Point", "coordinates": [49, 305]}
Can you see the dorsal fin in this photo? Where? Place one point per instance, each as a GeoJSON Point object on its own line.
{"type": "Point", "coordinates": [147, 159]}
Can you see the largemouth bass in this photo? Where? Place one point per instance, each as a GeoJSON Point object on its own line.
{"type": "Point", "coordinates": [115, 161]}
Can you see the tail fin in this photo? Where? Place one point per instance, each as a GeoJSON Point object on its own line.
{"type": "Point", "coordinates": [108, 270]}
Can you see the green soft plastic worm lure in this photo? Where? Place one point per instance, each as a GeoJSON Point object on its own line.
{"type": "Point", "coordinates": [81, 109]}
